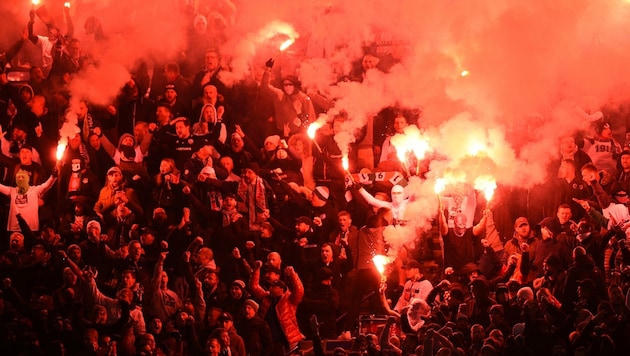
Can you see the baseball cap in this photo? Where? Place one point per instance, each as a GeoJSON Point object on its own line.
{"type": "Point", "coordinates": [520, 221]}
{"type": "Point", "coordinates": [113, 170]}
{"type": "Point", "coordinates": [225, 316]}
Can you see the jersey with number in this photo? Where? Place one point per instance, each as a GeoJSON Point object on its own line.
{"type": "Point", "coordinates": [603, 153]}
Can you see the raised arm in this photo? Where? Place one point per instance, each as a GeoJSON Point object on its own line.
{"type": "Point", "coordinates": [31, 22]}
{"type": "Point", "coordinates": [44, 187]}
{"type": "Point", "coordinates": [254, 282]}
{"type": "Point", "coordinates": [108, 146]}
{"type": "Point", "coordinates": [373, 201]}
{"type": "Point", "coordinates": [442, 224]}
{"type": "Point", "coordinates": [69, 23]}
{"type": "Point", "coordinates": [265, 85]}
{"type": "Point", "coordinates": [478, 229]}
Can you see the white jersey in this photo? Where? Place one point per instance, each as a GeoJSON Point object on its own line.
{"type": "Point", "coordinates": [603, 153]}
{"type": "Point", "coordinates": [25, 204]}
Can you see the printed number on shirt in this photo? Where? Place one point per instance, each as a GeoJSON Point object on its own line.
{"type": "Point", "coordinates": [602, 148]}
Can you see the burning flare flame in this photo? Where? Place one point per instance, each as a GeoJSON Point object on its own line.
{"type": "Point", "coordinates": [312, 129]}
{"type": "Point", "coordinates": [61, 148]}
{"type": "Point", "coordinates": [487, 184]}
{"type": "Point", "coordinates": [379, 262]}
{"type": "Point", "coordinates": [412, 140]}
{"type": "Point", "coordinates": [286, 44]}
{"type": "Point", "coordinates": [344, 163]}
{"type": "Point", "coordinates": [440, 185]}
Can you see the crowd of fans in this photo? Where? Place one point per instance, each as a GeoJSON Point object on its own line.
{"type": "Point", "coordinates": [190, 217]}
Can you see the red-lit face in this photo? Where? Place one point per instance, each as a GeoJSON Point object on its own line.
{"type": "Point", "coordinates": [128, 280]}
{"type": "Point", "coordinates": [523, 230]}
{"type": "Point", "coordinates": [236, 143]}
{"type": "Point", "coordinates": [344, 222]}
{"type": "Point", "coordinates": [399, 124]}
{"type": "Point", "coordinates": [327, 254]}
{"type": "Point", "coordinates": [26, 156]}
{"type": "Point", "coordinates": [95, 142]}
{"type": "Point", "coordinates": [369, 62]}
{"type": "Point", "coordinates": [249, 176]}
{"type": "Point", "coordinates": [227, 163]}
{"type": "Point", "coordinates": [564, 214]}
{"type": "Point", "coordinates": [567, 144]}
{"type": "Point", "coordinates": [606, 133]}
{"type": "Point", "coordinates": [301, 227]}
{"type": "Point", "coordinates": [82, 110]}
{"type": "Point", "coordinates": [182, 130]}
{"type": "Point", "coordinates": [170, 95]}
{"type": "Point", "coordinates": [208, 114]}
{"type": "Point", "coordinates": [210, 94]}
{"type": "Point", "coordinates": [163, 115]}
{"type": "Point", "coordinates": [212, 60]}
{"type": "Point", "coordinates": [249, 312]}
{"type": "Point", "coordinates": [274, 259]}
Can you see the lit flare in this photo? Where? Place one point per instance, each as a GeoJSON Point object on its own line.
{"type": "Point", "coordinates": [487, 184]}
{"type": "Point", "coordinates": [312, 129]}
{"type": "Point", "coordinates": [61, 148]}
{"type": "Point", "coordinates": [380, 261]}
{"type": "Point", "coordinates": [344, 163]}
{"type": "Point", "coordinates": [286, 44]}
{"type": "Point", "coordinates": [440, 185]}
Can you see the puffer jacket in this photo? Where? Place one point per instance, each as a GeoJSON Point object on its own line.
{"type": "Point", "coordinates": [286, 307]}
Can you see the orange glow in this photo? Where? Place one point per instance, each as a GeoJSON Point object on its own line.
{"type": "Point", "coordinates": [344, 163]}
{"type": "Point", "coordinates": [312, 129]}
{"type": "Point", "coordinates": [487, 184]}
{"type": "Point", "coordinates": [61, 149]}
{"type": "Point", "coordinates": [379, 262]}
{"type": "Point", "coordinates": [286, 44]}
{"type": "Point", "coordinates": [440, 185]}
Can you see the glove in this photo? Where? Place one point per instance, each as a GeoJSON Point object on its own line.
{"type": "Point", "coordinates": [269, 63]}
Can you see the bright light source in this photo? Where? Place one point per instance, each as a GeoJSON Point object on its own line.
{"type": "Point", "coordinates": [286, 44]}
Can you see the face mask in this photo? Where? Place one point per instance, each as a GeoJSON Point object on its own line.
{"type": "Point", "coordinates": [22, 181]}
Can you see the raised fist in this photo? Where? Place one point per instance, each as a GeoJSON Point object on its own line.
{"type": "Point", "coordinates": [269, 63]}
{"type": "Point", "coordinates": [258, 264]}
{"type": "Point", "coordinates": [525, 247]}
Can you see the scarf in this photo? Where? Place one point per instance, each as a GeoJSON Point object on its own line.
{"type": "Point", "coordinates": [88, 125]}
{"type": "Point", "coordinates": [227, 216]}
{"type": "Point", "coordinates": [252, 199]}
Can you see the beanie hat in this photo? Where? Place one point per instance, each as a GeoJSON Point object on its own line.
{"type": "Point", "coordinates": [601, 125]}
{"type": "Point", "coordinates": [239, 283]}
{"type": "Point", "coordinates": [253, 166]}
{"type": "Point", "coordinates": [252, 304]}
{"type": "Point", "coordinates": [273, 139]}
